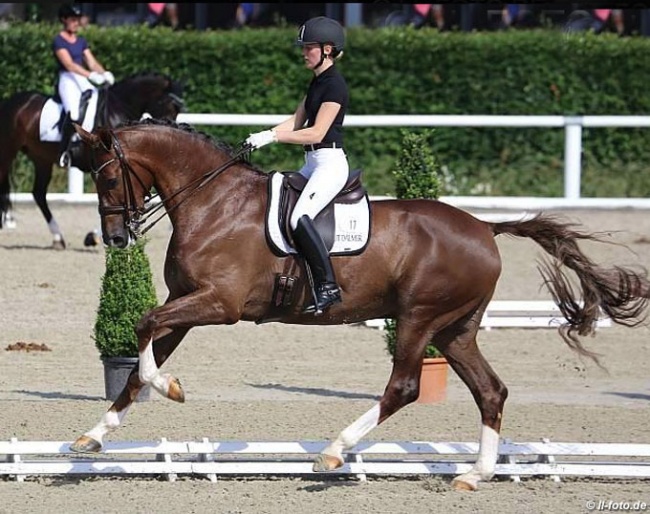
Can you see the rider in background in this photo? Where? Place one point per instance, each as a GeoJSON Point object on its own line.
{"type": "Point", "coordinates": [78, 71]}
{"type": "Point", "coordinates": [317, 124]}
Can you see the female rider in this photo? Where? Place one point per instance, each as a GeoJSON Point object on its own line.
{"type": "Point", "coordinates": [78, 71]}
{"type": "Point", "coordinates": [317, 124]}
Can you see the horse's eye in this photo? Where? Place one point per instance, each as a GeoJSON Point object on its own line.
{"type": "Point", "coordinates": [111, 183]}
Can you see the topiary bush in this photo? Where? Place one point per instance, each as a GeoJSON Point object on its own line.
{"type": "Point", "coordinates": [127, 293]}
{"type": "Point", "coordinates": [417, 175]}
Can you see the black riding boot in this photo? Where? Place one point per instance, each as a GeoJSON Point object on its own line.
{"type": "Point", "coordinates": [65, 158]}
{"type": "Point", "coordinates": [311, 246]}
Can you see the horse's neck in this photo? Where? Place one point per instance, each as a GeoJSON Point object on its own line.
{"type": "Point", "coordinates": [219, 187]}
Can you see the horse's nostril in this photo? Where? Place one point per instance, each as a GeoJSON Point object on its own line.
{"type": "Point", "coordinates": [118, 242]}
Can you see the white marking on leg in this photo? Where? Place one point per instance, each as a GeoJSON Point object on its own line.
{"type": "Point", "coordinates": [488, 452]}
{"type": "Point", "coordinates": [110, 421]}
{"type": "Point", "coordinates": [149, 373]}
{"type": "Point", "coordinates": [148, 369]}
{"type": "Point", "coordinates": [54, 228]}
{"type": "Point", "coordinates": [353, 434]}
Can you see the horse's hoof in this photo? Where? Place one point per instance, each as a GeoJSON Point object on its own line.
{"type": "Point", "coordinates": [85, 444]}
{"type": "Point", "coordinates": [175, 391]}
{"type": "Point", "coordinates": [92, 239]}
{"type": "Point", "coordinates": [326, 463]}
{"type": "Point", "coordinates": [461, 485]}
{"type": "Point", "coordinates": [58, 244]}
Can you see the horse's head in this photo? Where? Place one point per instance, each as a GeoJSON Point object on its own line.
{"type": "Point", "coordinates": [122, 191]}
{"type": "Point", "coordinates": [152, 93]}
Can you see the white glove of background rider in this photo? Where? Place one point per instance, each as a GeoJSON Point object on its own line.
{"type": "Point", "coordinates": [97, 79]}
{"type": "Point", "coordinates": [110, 78]}
{"type": "Point", "coordinates": [260, 139]}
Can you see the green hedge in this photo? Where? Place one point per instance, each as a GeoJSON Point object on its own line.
{"type": "Point", "coordinates": [398, 71]}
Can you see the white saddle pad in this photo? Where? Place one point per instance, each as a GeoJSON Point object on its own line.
{"type": "Point", "coordinates": [352, 223]}
{"type": "Point", "coordinates": [51, 114]}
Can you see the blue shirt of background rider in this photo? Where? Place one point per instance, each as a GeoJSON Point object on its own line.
{"type": "Point", "coordinates": [329, 86]}
{"type": "Point", "coordinates": [75, 49]}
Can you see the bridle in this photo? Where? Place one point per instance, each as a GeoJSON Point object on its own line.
{"type": "Point", "coordinates": [135, 217]}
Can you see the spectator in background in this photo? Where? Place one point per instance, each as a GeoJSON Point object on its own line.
{"type": "Point", "coordinates": [516, 15]}
{"type": "Point", "coordinates": [422, 14]}
{"type": "Point", "coordinates": [246, 14]}
{"type": "Point", "coordinates": [597, 20]}
{"type": "Point", "coordinates": [6, 14]}
{"type": "Point", "coordinates": [162, 13]}
{"type": "Point", "coordinates": [603, 16]}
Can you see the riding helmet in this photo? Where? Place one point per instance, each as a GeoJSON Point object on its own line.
{"type": "Point", "coordinates": [69, 11]}
{"type": "Point", "coordinates": [322, 30]}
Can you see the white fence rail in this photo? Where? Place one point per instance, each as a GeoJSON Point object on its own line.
{"type": "Point", "coordinates": [572, 126]}
{"type": "Point", "coordinates": [213, 459]}
{"type": "Point", "coordinates": [517, 314]}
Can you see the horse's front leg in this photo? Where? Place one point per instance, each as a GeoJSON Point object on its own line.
{"type": "Point", "coordinates": [198, 308]}
{"type": "Point", "coordinates": [92, 440]}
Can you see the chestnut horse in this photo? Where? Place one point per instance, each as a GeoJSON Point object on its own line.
{"type": "Point", "coordinates": [428, 265]}
{"type": "Point", "coordinates": [127, 99]}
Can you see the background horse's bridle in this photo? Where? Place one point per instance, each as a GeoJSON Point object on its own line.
{"type": "Point", "coordinates": [135, 217]}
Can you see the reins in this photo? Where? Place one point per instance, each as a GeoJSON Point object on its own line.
{"type": "Point", "coordinates": [142, 216]}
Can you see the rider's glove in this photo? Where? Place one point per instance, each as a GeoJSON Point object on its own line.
{"type": "Point", "coordinates": [260, 139]}
{"type": "Point", "coordinates": [110, 78]}
{"type": "Point", "coordinates": [97, 79]}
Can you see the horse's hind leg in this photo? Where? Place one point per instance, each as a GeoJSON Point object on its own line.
{"type": "Point", "coordinates": [403, 388]}
{"type": "Point", "coordinates": [42, 178]}
{"type": "Point", "coordinates": [92, 440]}
{"type": "Point", "coordinates": [462, 353]}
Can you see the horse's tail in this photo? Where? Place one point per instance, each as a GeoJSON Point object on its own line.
{"type": "Point", "coordinates": [621, 293]}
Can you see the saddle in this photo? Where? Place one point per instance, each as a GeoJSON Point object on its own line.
{"type": "Point", "coordinates": [292, 186]}
{"type": "Point", "coordinates": [344, 225]}
{"type": "Point", "coordinates": [53, 116]}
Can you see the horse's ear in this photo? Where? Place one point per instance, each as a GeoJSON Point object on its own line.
{"type": "Point", "coordinates": [86, 137]}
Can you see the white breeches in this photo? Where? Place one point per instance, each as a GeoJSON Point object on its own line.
{"type": "Point", "coordinates": [327, 171]}
{"type": "Point", "coordinates": [71, 86]}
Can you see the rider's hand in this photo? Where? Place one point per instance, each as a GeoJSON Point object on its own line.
{"type": "Point", "coordinates": [110, 78]}
{"type": "Point", "coordinates": [260, 139]}
{"type": "Point", "coordinates": [97, 79]}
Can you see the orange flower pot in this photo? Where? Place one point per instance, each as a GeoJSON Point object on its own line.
{"type": "Point", "coordinates": [433, 380]}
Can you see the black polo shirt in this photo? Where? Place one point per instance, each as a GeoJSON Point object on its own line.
{"type": "Point", "coordinates": [329, 86]}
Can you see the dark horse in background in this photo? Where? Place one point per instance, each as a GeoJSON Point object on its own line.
{"type": "Point", "coordinates": [128, 99]}
{"type": "Point", "coordinates": [428, 265]}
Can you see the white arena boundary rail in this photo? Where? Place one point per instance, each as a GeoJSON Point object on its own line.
{"type": "Point", "coordinates": [572, 126]}
{"type": "Point", "coordinates": [214, 459]}
{"type": "Point", "coordinates": [517, 314]}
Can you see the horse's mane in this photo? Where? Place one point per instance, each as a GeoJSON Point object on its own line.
{"type": "Point", "coordinates": [146, 73]}
{"type": "Point", "coordinates": [186, 127]}
{"type": "Point", "coordinates": [175, 86]}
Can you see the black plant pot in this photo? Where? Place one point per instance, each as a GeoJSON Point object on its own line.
{"type": "Point", "coordinates": [116, 374]}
